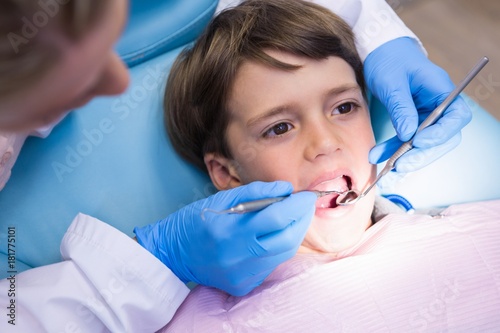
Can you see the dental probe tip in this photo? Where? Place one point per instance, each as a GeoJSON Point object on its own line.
{"type": "Point", "coordinates": [323, 193]}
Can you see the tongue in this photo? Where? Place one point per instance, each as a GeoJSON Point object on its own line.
{"type": "Point", "coordinates": [340, 184]}
{"type": "Point", "coordinates": [328, 201]}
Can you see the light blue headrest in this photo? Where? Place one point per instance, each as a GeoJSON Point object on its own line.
{"type": "Point", "coordinates": [111, 159]}
{"type": "Point", "coordinates": [158, 26]}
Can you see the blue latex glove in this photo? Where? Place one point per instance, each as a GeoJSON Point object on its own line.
{"type": "Point", "coordinates": [410, 86]}
{"type": "Point", "coordinates": [232, 252]}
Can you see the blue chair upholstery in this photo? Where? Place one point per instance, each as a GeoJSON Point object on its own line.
{"type": "Point", "coordinates": [112, 160]}
{"type": "Point", "coordinates": [158, 26]}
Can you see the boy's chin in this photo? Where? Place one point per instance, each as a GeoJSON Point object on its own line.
{"type": "Point", "coordinates": [334, 236]}
{"type": "Point", "coordinates": [333, 248]}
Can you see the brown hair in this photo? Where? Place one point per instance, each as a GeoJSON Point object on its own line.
{"type": "Point", "coordinates": [27, 50]}
{"type": "Point", "coordinates": [200, 80]}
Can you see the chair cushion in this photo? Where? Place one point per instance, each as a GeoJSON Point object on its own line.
{"type": "Point", "coordinates": [111, 160]}
{"type": "Point", "coordinates": [159, 26]}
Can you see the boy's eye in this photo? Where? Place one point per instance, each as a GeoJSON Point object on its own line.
{"type": "Point", "coordinates": [277, 130]}
{"type": "Point", "coordinates": [344, 108]}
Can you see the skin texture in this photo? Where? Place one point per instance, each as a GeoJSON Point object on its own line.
{"type": "Point", "coordinates": [87, 68]}
{"type": "Point", "coordinates": [308, 126]}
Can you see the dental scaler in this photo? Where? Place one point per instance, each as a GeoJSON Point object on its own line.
{"type": "Point", "coordinates": [255, 205]}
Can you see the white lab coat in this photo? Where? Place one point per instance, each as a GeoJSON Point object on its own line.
{"type": "Point", "coordinates": [107, 281]}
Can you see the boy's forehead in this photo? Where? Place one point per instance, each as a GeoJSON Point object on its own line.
{"type": "Point", "coordinates": [250, 70]}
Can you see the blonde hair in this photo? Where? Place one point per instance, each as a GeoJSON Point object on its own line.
{"type": "Point", "coordinates": [27, 50]}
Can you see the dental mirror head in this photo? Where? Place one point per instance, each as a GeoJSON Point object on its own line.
{"type": "Point", "coordinates": [348, 198]}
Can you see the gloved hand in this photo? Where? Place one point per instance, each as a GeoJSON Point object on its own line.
{"type": "Point", "coordinates": [411, 86]}
{"type": "Point", "coordinates": [232, 252]}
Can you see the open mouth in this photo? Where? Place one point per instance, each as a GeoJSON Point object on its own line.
{"type": "Point", "coordinates": [340, 184]}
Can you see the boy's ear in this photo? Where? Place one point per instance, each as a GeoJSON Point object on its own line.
{"type": "Point", "coordinates": [222, 172]}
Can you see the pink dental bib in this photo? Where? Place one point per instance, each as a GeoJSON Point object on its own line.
{"type": "Point", "coordinates": [409, 273]}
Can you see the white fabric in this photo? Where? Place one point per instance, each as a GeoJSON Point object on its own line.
{"type": "Point", "coordinates": [10, 146]}
{"type": "Point", "coordinates": [374, 22]}
{"type": "Point", "coordinates": [107, 282]}
{"type": "Point", "coordinates": [43, 132]}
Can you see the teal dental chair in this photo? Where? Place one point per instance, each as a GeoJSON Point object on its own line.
{"type": "Point", "coordinates": [112, 159]}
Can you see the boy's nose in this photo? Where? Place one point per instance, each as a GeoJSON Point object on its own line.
{"type": "Point", "coordinates": [322, 140]}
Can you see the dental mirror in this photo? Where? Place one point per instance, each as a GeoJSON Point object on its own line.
{"type": "Point", "coordinates": [348, 198]}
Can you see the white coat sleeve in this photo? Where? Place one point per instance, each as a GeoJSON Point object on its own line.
{"type": "Point", "coordinates": [11, 145]}
{"type": "Point", "coordinates": [374, 22]}
{"type": "Point", "coordinates": [106, 283]}
{"type": "Point", "coordinates": [44, 131]}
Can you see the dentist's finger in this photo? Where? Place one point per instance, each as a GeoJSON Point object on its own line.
{"type": "Point", "coordinates": [418, 158]}
{"type": "Point", "coordinates": [297, 208]}
{"type": "Point", "coordinates": [453, 120]}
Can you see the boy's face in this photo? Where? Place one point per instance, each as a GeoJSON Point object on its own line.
{"type": "Point", "coordinates": [310, 127]}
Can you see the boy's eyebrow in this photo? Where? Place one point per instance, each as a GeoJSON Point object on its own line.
{"type": "Point", "coordinates": [271, 113]}
{"type": "Point", "coordinates": [342, 89]}
{"type": "Point", "coordinates": [283, 108]}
